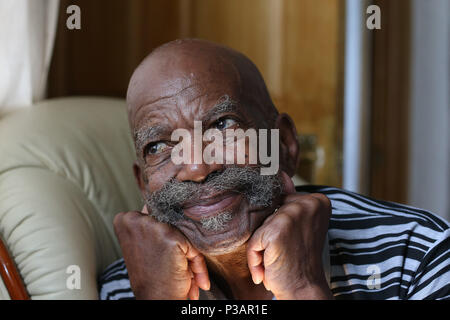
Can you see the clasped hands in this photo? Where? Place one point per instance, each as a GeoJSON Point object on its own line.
{"type": "Point", "coordinates": [284, 253]}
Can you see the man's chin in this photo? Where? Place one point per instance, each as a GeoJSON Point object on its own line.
{"type": "Point", "coordinates": [231, 237]}
{"type": "Point", "coordinates": [225, 247]}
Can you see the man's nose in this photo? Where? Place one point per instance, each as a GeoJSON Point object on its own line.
{"type": "Point", "coordinates": [197, 169]}
{"type": "Point", "coordinates": [197, 172]}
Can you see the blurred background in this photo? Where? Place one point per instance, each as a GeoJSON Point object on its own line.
{"type": "Point", "coordinates": [371, 106]}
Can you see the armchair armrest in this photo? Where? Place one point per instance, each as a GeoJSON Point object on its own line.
{"type": "Point", "coordinates": [11, 277]}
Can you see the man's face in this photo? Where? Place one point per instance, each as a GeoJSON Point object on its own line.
{"type": "Point", "coordinates": [216, 206]}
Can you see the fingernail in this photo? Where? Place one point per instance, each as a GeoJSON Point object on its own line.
{"type": "Point", "coordinates": [256, 279]}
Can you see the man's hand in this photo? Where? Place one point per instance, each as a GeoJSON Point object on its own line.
{"type": "Point", "coordinates": [161, 262]}
{"type": "Point", "coordinates": [285, 253]}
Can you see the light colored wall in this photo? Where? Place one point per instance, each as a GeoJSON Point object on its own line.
{"type": "Point", "coordinates": [429, 168]}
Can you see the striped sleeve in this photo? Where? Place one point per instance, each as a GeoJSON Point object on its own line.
{"type": "Point", "coordinates": [114, 283]}
{"type": "Point", "coordinates": [432, 278]}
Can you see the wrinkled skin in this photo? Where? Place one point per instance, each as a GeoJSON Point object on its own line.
{"type": "Point", "coordinates": [260, 254]}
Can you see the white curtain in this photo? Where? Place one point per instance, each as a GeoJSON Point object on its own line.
{"type": "Point", "coordinates": [27, 33]}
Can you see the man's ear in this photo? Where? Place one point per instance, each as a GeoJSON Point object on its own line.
{"type": "Point", "coordinates": [138, 176]}
{"type": "Point", "coordinates": [289, 146]}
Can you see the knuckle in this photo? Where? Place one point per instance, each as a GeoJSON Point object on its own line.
{"type": "Point", "coordinates": [171, 238]}
{"type": "Point", "coordinates": [324, 203]}
{"type": "Point", "coordinates": [125, 220]}
{"type": "Point", "coordinates": [295, 206]}
{"type": "Point", "coordinates": [309, 205]}
{"type": "Point", "coordinates": [312, 202]}
{"type": "Point", "coordinates": [324, 200]}
{"type": "Point", "coordinates": [172, 243]}
{"type": "Point", "coordinates": [175, 246]}
{"type": "Point", "coordinates": [284, 221]}
{"type": "Point", "coordinates": [168, 232]}
{"type": "Point", "coordinates": [118, 219]}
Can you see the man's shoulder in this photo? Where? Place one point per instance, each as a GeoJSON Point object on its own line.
{"type": "Point", "coordinates": [406, 247]}
{"type": "Point", "coordinates": [353, 210]}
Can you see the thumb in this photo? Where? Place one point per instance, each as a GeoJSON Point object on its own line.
{"type": "Point", "coordinates": [288, 184]}
{"type": "Point", "coordinates": [255, 256]}
{"type": "Point", "coordinates": [198, 267]}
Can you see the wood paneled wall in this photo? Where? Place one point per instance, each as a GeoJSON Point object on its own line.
{"type": "Point", "coordinates": [296, 44]}
{"type": "Point", "coordinates": [390, 102]}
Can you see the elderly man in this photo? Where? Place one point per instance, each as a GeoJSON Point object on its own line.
{"type": "Point", "coordinates": [224, 230]}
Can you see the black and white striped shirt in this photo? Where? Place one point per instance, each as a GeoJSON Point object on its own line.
{"type": "Point", "coordinates": [378, 250]}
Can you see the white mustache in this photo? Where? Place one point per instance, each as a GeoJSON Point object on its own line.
{"type": "Point", "coordinates": [166, 205]}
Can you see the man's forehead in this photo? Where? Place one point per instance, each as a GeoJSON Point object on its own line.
{"type": "Point", "coordinates": [178, 71]}
{"type": "Point", "coordinates": [186, 97]}
{"type": "Point", "coordinates": [189, 77]}
{"type": "Point", "coordinates": [171, 111]}
{"type": "Point", "coordinates": [156, 88]}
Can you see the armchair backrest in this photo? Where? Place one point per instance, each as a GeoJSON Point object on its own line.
{"type": "Point", "coordinates": [65, 171]}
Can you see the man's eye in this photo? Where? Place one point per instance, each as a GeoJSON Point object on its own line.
{"type": "Point", "coordinates": [156, 147]}
{"type": "Point", "coordinates": [224, 123]}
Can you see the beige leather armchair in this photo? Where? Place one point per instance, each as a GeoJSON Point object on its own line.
{"type": "Point", "coordinates": [65, 171]}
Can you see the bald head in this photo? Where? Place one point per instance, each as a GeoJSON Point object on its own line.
{"type": "Point", "coordinates": [185, 70]}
